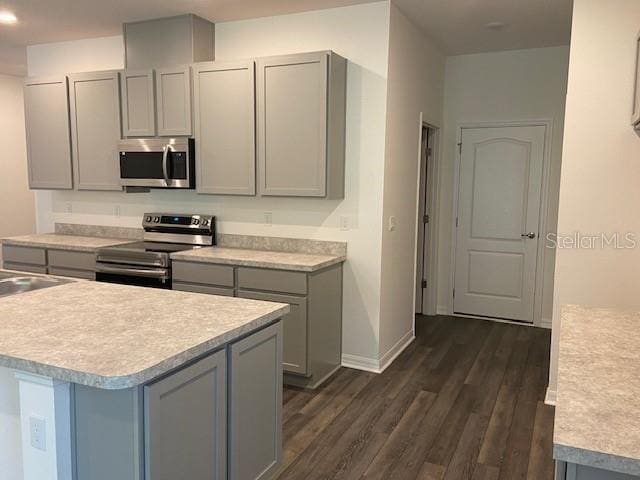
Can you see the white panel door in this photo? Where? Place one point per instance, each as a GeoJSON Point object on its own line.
{"type": "Point", "coordinates": [497, 227]}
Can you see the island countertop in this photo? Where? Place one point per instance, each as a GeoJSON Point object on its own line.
{"type": "Point", "coordinates": [295, 261]}
{"type": "Point", "coordinates": [116, 336]}
{"type": "Point", "coordinates": [597, 418]}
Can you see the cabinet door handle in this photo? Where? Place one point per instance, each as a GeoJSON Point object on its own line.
{"type": "Point", "coordinates": [528, 235]}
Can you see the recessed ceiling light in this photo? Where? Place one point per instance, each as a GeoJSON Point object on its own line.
{"type": "Point", "coordinates": [7, 17]}
{"type": "Point", "coordinates": [495, 25]}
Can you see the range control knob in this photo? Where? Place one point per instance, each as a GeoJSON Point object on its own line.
{"type": "Point", "coordinates": [156, 219]}
{"type": "Point", "coordinates": [195, 221]}
{"type": "Point", "coordinates": [205, 223]}
{"type": "Point", "coordinates": [148, 219]}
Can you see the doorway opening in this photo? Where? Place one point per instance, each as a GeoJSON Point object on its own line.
{"type": "Point", "coordinates": [425, 298]}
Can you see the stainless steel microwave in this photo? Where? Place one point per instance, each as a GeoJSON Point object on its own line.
{"type": "Point", "coordinates": [158, 163]}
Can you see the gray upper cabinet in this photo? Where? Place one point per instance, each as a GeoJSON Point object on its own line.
{"type": "Point", "coordinates": [95, 130]}
{"type": "Point", "coordinates": [301, 103]}
{"type": "Point", "coordinates": [46, 103]}
{"type": "Point", "coordinates": [173, 90]}
{"type": "Point", "coordinates": [224, 108]}
{"type": "Point", "coordinates": [138, 103]}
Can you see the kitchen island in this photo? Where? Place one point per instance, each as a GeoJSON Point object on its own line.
{"type": "Point", "coordinates": [597, 419]}
{"type": "Point", "coordinates": [130, 383]}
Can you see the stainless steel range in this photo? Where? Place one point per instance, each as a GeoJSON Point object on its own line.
{"type": "Point", "coordinates": [148, 263]}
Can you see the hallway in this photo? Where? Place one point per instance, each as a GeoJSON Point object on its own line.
{"type": "Point", "coordinates": [464, 401]}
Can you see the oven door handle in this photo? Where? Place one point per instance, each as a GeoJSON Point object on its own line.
{"type": "Point", "coordinates": [165, 166]}
{"type": "Point", "coordinates": [160, 273]}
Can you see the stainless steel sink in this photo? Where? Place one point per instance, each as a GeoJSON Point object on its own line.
{"type": "Point", "coordinates": [12, 284]}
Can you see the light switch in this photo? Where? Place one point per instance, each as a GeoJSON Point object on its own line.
{"type": "Point", "coordinates": [38, 432]}
{"type": "Point", "coordinates": [268, 219]}
{"type": "Point", "coordinates": [344, 222]}
{"type": "Point", "coordinates": [392, 223]}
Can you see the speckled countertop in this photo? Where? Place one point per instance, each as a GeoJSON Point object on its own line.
{"type": "Point", "coordinates": [64, 242]}
{"type": "Point", "coordinates": [597, 419]}
{"type": "Point", "coordinates": [115, 336]}
{"type": "Point", "coordinates": [304, 262]}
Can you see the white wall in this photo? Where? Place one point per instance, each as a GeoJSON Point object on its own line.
{"type": "Point", "coordinates": [415, 86]}
{"type": "Point", "coordinates": [493, 87]}
{"type": "Point", "coordinates": [359, 33]}
{"type": "Point", "coordinates": [17, 216]}
{"type": "Point", "coordinates": [599, 189]}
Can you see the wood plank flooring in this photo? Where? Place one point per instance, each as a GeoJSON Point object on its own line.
{"type": "Point", "coordinates": [464, 401]}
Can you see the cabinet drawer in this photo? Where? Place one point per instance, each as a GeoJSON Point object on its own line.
{"type": "Point", "coordinates": [24, 267]}
{"type": "Point", "coordinates": [33, 256]}
{"type": "Point", "coordinates": [73, 260]}
{"type": "Point", "coordinates": [272, 280]}
{"type": "Point", "coordinates": [203, 273]}
{"type": "Point", "coordinates": [294, 329]}
{"type": "Point", "coordinates": [71, 272]}
{"type": "Point", "coordinates": [197, 288]}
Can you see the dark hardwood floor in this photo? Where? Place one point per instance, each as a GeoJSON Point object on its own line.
{"type": "Point", "coordinates": [464, 401]}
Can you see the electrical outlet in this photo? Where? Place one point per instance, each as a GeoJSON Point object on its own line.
{"type": "Point", "coordinates": [268, 219]}
{"type": "Point", "coordinates": [69, 207]}
{"type": "Point", "coordinates": [392, 223]}
{"type": "Point", "coordinates": [38, 432]}
{"type": "Point", "coordinates": [117, 210]}
{"type": "Point", "coordinates": [344, 222]}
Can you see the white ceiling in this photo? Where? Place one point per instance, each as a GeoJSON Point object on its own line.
{"type": "Point", "coordinates": [458, 26]}
{"type": "Point", "coordinates": [45, 21]}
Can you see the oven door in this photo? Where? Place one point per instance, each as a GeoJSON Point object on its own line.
{"type": "Point", "coordinates": [156, 163]}
{"type": "Point", "coordinates": [156, 277]}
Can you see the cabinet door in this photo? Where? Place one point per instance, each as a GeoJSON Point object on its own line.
{"type": "Point", "coordinates": [173, 89]}
{"type": "Point", "coordinates": [95, 130]}
{"type": "Point", "coordinates": [294, 329]}
{"type": "Point", "coordinates": [185, 423]}
{"type": "Point", "coordinates": [255, 405]}
{"type": "Point", "coordinates": [292, 125]}
{"type": "Point", "coordinates": [224, 107]}
{"type": "Point", "coordinates": [138, 103]}
{"type": "Point", "coordinates": [46, 108]}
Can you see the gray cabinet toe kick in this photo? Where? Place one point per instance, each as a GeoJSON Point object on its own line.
{"type": "Point", "coordinates": [217, 418]}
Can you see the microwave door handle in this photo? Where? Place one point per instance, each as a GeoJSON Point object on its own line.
{"type": "Point", "coordinates": [165, 166]}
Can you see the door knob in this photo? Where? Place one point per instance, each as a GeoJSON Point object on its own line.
{"type": "Point", "coordinates": [528, 235]}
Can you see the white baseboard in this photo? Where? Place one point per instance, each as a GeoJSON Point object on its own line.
{"type": "Point", "coordinates": [550, 397]}
{"type": "Point", "coordinates": [442, 310]}
{"type": "Point", "coordinates": [546, 323]}
{"type": "Point", "coordinates": [388, 358]}
{"type": "Point", "coordinates": [381, 364]}
{"type": "Point", "coordinates": [360, 363]}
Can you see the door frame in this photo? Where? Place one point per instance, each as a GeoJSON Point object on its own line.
{"type": "Point", "coordinates": [432, 187]}
{"type": "Point", "coordinates": [542, 219]}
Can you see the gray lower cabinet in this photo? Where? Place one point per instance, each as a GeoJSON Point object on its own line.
{"type": "Point", "coordinates": [215, 419]}
{"type": "Point", "coordinates": [255, 405]}
{"type": "Point", "coordinates": [24, 259]}
{"type": "Point", "coordinates": [573, 471]}
{"type": "Point", "coordinates": [95, 130]}
{"type": "Point", "coordinates": [72, 264]}
{"type": "Point", "coordinates": [46, 108]}
{"type": "Point", "coordinates": [224, 112]}
{"type": "Point", "coordinates": [64, 263]}
{"type": "Point", "coordinates": [301, 104]}
{"type": "Point", "coordinates": [185, 417]}
{"type": "Point", "coordinates": [294, 329]}
{"type": "Point", "coordinates": [312, 331]}
{"type": "Point", "coordinates": [138, 103]}
{"type": "Point", "coordinates": [173, 91]}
